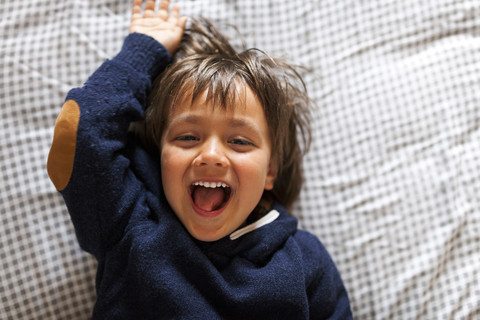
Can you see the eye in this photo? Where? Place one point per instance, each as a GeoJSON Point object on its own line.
{"type": "Point", "coordinates": [241, 142]}
{"type": "Point", "coordinates": [186, 138]}
{"type": "Point", "coordinates": [186, 141]}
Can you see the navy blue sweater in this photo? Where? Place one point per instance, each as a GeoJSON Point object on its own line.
{"type": "Point", "coordinates": [149, 267]}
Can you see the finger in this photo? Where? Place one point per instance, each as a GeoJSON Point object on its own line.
{"type": "Point", "coordinates": [163, 9]}
{"type": "Point", "coordinates": [137, 14]}
{"type": "Point", "coordinates": [136, 9]}
{"type": "Point", "coordinates": [149, 9]}
{"type": "Point", "coordinates": [137, 3]}
{"type": "Point", "coordinates": [164, 4]}
{"type": "Point", "coordinates": [174, 14]}
{"type": "Point", "coordinates": [182, 22]}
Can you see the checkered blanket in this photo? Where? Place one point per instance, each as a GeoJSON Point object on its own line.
{"type": "Point", "coordinates": [392, 179]}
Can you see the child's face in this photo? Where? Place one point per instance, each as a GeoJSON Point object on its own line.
{"type": "Point", "coordinates": [216, 163]}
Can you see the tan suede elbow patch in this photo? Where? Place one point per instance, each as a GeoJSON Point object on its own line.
{"type": "Point", "coordinates": [62, 152]}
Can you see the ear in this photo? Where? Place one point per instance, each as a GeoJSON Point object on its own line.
{"type": "Point", "coordinates": [271, 175]}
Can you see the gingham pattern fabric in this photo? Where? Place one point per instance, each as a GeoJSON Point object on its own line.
{"type": "Point", "coordinates": [392, 179]}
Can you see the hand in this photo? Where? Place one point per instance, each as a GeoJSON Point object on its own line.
{"type": "Point", "coordinates": [167, 28]}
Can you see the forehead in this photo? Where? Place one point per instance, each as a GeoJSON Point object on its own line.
{"type": "Point", "coordinates": [238, 102]}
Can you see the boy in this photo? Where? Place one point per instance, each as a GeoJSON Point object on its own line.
{"type": "Point", "coordinates": [196, 227]}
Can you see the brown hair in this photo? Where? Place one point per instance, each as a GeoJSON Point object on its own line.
{"type": "Point", "coordinates": [206, 60]}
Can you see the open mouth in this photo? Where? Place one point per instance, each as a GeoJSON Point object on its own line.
{"type": "Point", "coordinates": [210, 197]}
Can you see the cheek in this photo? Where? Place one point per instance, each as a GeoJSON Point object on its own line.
{"type": "Point", "coordinates": [253, 170]}
{"type": "Point", "coordinates": [165, 160]}
{"type": "Point", "coordinates": [170, 167]}
{"type": "Point", "coordinates": [171, 157]}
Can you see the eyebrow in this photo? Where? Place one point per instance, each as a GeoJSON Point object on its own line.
{"type": "Point", "coordinates": [233, 122]}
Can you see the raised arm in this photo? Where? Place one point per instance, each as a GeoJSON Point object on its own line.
{"type": "Point", "coordinates": [90, 160]}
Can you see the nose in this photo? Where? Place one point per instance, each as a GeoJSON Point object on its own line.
{"type": "Point", "coordinates": [212, 153]}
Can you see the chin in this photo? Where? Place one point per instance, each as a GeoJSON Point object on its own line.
{"type": "Point", "coordinates": [206, 236]}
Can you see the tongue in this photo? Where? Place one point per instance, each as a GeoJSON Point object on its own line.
{"type": "Point", "coordinates": [208, 199]}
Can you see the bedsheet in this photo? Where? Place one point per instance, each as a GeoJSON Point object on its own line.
{"type": "Point", "coordinates": [392, 179]}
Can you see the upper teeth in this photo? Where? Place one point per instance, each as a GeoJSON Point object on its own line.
{"type": "Point", "coordinates": [210, 184]}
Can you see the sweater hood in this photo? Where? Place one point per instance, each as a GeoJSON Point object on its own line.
{"type": "Point", "coordinates": [257, 246]}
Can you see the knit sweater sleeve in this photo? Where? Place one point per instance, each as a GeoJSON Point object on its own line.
{"type": "Point", "coordinates": [88, 160]}
{"type": "Point", "coordinates": [327, 296]}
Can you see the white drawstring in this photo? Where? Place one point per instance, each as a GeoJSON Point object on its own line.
{"type": "Point", "coordinates": [268, 218]}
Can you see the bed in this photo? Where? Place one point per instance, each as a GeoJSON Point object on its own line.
{"type": "Point", "coordinates": [391, 181]}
